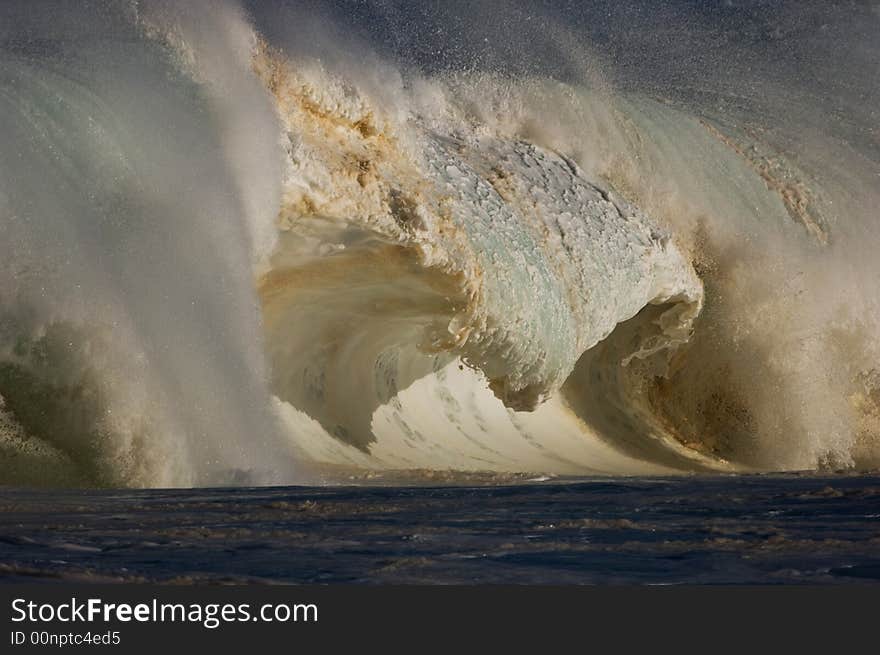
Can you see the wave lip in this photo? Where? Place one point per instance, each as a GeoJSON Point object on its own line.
{"type": "Point", "coordinates": [409, 242]}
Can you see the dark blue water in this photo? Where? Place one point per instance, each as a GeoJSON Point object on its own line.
{"type": "Point", "coordinates": [728, 530]}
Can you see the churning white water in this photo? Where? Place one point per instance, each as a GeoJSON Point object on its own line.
{"type": "Point", "coordinates": [250, 244]}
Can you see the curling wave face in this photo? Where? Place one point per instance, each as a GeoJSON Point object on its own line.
{"type": "Point", "coordinates": [253, 247]}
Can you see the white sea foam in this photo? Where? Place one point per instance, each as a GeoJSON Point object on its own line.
{"type": "Point", "coordinates": [247, 253]}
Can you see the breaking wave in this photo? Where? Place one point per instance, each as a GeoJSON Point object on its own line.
{"type": "Point", "coordinates": [264, 244]}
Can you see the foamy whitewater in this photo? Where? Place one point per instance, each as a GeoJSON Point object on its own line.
{"type": "Point", "coordinates": [264, 244]}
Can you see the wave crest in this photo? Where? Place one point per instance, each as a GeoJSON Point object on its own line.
{"type": "Point", "coordinates": [408, 244]}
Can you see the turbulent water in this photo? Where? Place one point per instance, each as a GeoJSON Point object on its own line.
{"type": "Point", "coordinates": [732, 529]}
{"type": "Point", "coordinates": [275, 242]}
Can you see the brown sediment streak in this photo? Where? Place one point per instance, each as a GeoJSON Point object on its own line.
{"type": "Point", "coordinates": [366, 148]}
{"type": "Point", "coordinates": [796, 197]}
{"type": "Point", "coordinates": [371, 180]}
{"type": "Point", "coordinates": [270, 67]}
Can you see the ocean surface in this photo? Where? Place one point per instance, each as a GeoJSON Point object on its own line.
{"type": "Point", "coordinates": [773, 529]}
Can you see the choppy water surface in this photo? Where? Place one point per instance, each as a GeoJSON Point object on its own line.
{"type": "Point", "coordinates": [755, 529]}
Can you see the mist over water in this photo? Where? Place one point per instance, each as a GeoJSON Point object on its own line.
{"type": "Point", "coordinates": [132, 205]}
{"type": "Point", "coordinates": [260, 243]}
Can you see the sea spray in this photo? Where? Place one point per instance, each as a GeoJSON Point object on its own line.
{"type": "Point", "coordinates": [240, 243]}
